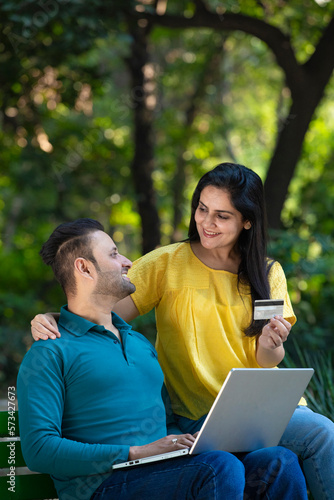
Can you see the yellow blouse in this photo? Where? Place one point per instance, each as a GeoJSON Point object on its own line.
{"type": "Point", "coordinates": [200, 321]}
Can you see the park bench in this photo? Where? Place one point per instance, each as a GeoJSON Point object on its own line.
{"type": "Point", "coordinates": [16, 480]}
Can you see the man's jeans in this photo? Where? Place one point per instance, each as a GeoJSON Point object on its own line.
{"type": "Point", "coordinates": [271, 473]}
{"type": "Point", "coordinates": [311, 437]}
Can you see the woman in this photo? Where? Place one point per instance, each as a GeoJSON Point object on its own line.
{"type": "Point", "coordinates": [203, 292]}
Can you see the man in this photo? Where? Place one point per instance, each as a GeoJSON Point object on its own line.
{"type": "Point", "coordinates": [93, 398]}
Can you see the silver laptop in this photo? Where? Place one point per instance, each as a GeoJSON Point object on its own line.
{"type": "Point", "coordinates": [251, 411]}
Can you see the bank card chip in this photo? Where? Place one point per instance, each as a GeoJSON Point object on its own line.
{"type": "Point", "coordinates": [268, 308]}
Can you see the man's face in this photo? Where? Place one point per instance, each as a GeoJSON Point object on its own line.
{"type": "Point", "coordinates": [111, 268]}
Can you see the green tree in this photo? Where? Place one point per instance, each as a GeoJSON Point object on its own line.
{"type": "Point", "coordinates": [301, 45]}
{"type": "Point", "coordinates": [113, 110]}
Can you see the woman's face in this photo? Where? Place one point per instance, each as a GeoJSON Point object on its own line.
{"type": "Point", "coordinates": [218, 223]}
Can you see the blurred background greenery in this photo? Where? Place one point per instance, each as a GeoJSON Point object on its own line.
{"type": "Point", "coordinates": [115, 111]}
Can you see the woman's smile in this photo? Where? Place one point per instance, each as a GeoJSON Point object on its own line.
{"type": "Point", "coordinates": [210, 234]}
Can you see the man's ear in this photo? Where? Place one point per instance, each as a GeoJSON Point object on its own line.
{"type": "Point", "coordinates": [83, 267]}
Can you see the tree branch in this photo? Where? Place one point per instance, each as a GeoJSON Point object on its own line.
{"type": "Point", "coordinates": [321, 63]}
{"type": "Point", "coordinates": [274, 38]}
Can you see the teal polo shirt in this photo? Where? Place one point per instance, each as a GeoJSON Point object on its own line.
{"type": "Point", "coordinates": [84, 399]}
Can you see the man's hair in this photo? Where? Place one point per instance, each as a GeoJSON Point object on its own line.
{"type": "Point", "coordinates": [68, 242]}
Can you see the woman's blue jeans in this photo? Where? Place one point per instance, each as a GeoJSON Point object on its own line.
{"type": "Point", "coordinates": [270, 473]}
{"type": "Point", "coordinates": [311, 437]}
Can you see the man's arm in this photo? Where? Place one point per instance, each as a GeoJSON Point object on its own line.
{"type": "Point", "coordinates": [41, 396]}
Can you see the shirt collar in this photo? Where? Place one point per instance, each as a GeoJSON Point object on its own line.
{"type": "Point", "coordinates": [79, 326]}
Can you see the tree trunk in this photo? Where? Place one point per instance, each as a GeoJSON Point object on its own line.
{"type": "Point", "coordinates": [285, 158]}
{"type": "Point", "coordinates": [142, 165]}
{"type": "Point", "coordinates": [307, 90]}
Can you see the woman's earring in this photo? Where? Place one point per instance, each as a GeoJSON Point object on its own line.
{"type": "Point", "coordinates": [248, 225]}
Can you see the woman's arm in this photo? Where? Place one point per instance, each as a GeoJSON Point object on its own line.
{"type": "Point", "coordinates": [269, 349]}
{"type": "Point", "coordinates": [44, 326]}
{"type": "Point", "coordinates": [126, 309]}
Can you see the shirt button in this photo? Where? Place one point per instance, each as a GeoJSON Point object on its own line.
{"type": "Point", "coordinates": [115, 341]}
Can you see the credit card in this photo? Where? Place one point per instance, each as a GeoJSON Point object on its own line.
{"type": "Point", "coordinates": [268, 308]}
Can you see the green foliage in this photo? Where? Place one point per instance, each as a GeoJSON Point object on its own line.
{"type": "Point", "coordinates": [66, 128]}
{"type": "Point", "coordinates": [320, 392]}
{"type": "Point", "coordinates": [309, 266]}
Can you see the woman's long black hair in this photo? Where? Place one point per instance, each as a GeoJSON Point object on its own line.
{"type": "Point", "coordinates": [246, 192]}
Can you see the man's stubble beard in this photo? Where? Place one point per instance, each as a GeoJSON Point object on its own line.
{"type": "Point", "coordinates": [111, 283]}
